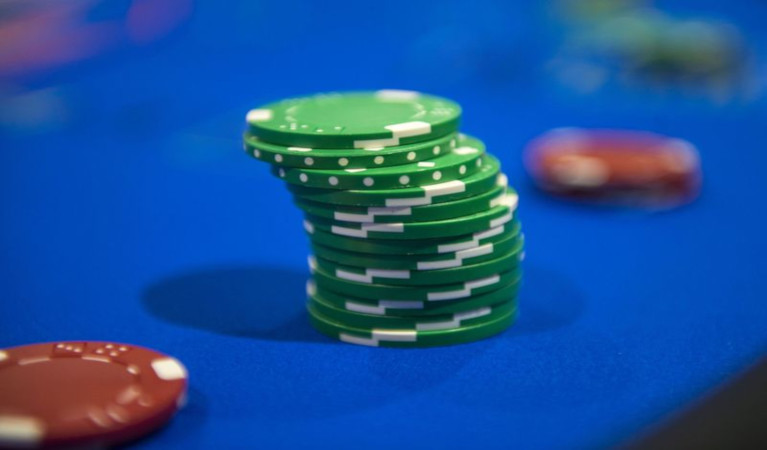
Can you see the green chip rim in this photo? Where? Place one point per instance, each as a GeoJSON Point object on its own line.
{"type": "Point", "coordinates": [485, 178]}
{"type": "Point", "coordinates": [506, 292]}
{"type": "Point", "coordinates": [406, 277]}
{"type": "Point", "coordinates": [496, 216]}
{"type": "Point", "coordinates": [490, 250]}
{"type": "Point", "coordinates": [428, 213]}
{"type": "Point", "coordinates": [385, 118]}
{"type": "Point", "coordinates": [462, 161]}
{"type": "Point", "coordinates": [378, 337]}
{"type": "Point", "coordinates": [409, 247]}
{"type": "Point", "coordinates": [341, 159]}
{"type": "Point", "coordinates": [433, 293]}
{"type": "Point", "coordinates": [435, 322]}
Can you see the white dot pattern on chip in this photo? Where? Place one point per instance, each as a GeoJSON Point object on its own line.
{"type": "Point", "coordinates": [343, 162]}
{"type": "Point", "coordinates": [303, 177]}
{"type": "Point", "coordinates": [404, 179]}
{"type": "Point", "coordinates": [368, 181]}
{"type": "Point", "coordinates": [437, 175]}
{"type": "Point", "coordinates": [411, 156]}
{"type": "Point", "coordinates": [462, 169]}
{"type": "Point", "coordinates": [278, 158]}
{"type": "Point", "coordinates": [257, 153]}
{"type": "Point", "coordinates": [333, 181]}
{"type": "Point", "coordinates": [378, 160]}
{"type": "Point", "coordinates": [436, 150]}
{"type": "Point", "coordinates": [309, 161]}
{"type": "Point", "coordinates": [282, 173]}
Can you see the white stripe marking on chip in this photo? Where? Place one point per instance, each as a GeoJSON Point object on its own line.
{"type": "Point", "coordinates": [474, 242]}
{"type": "Point", "coordinates": [468, 253]}
{"type": "Point", "coordinates": [299, 149]}
{"type": "Point", "coordinates": [351, 232]}
{"type": "Point", "coordinates": [358, 340]}
{"type": "Point", "coordinates": [501, 220]}
{"type": "Point", "coordinates": [394, 335]}
{"type": "Point", "coordinates": [169, 369]}
{"type": "Point", "coordinates": [365, 309]}
{"type": "Point", "coordinates": [259, 115]}
{"type": "Point", "coordinates": [371, 214]}
{"type": "Point", "coordinates": [369, 274]}
{"type": "Point", "coordinates": [465, 291]}
{"type": "Point", "coordinates": [456, 322]}
{"type": "Point", "coordinates": [20, 431]}
{"type": "Point", "coordinates": [427, 164]}
{"type": "Point", "coordinates": [430, 191]}
{"type": "Point", "coordinates": [398, 131]}
{"type": "Point", "coordinates": [397, 94]}
{"type": "Point", "coordinates": [465, 150]}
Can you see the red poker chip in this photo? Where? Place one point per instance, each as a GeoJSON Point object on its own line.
{"type": "Point", "coordinates": [85, 393]}
{"type": "Point", "coordinates": [615, 166]}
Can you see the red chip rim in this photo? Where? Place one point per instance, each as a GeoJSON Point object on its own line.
{"type": "Point", "coordinates": [627, 161]}
{"type": "Point", "coordinates": [86, 393]}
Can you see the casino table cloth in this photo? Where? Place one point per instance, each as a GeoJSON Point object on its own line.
{"type": "Point", "coordinates": [134, 216]}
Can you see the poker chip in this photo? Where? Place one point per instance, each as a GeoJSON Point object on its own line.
{"type": "Point", "coordinates": [438, 211]}
{"type": "Point", "coordinates": [490, 250]}
{"type": "Point", "coordinates": [412, 225]}
{"type": "Point", "coordinates": [498, 215]}
{"type": "Point", "coordinates": [359, 120]}
{"type": "Point", "coordinates": [485, 178]}
{"type": "Point", "coordinates": [85, 394]}
{"type": "Point", "coordinates": [464, 159]}
{"type": "Point", "coordinates": [615, 166]}
{"type": "Point", "coordinates": [342, 159]}
{"type": "Point", "coordinates": [407, 308]}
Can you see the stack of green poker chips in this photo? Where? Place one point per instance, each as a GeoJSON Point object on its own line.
{"type": "Point", "coordinates": [414, 234]}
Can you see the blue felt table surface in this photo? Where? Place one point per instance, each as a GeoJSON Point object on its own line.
{"type": "Point", "coordinates": [139, 219]}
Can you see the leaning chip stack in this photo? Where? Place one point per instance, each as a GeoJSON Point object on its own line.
{"type": "Point", "coordinates": [413, 227]}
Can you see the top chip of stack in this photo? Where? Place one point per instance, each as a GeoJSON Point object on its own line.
{"type": "Point", "coordinates": [412, 224]}
{"type": "Point", "coordinates": [370, 120]}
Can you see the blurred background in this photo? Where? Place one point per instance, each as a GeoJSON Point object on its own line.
{"type": "Point", "coordinates": [122, 175]}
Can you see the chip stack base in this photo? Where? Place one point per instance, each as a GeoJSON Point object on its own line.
{"type": "Point", "coordinates": [412, 225]}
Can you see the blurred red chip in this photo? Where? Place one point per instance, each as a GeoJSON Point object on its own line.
{"type": "Point", "coordinates": [615, 166]}
{"type": "Point", "coordinates": [85, 394]}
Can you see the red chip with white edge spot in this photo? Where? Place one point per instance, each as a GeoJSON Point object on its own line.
{"type": "Point", "coordinates": [85, 393]}
{"type": "Point", "coordinates": [615, 165]}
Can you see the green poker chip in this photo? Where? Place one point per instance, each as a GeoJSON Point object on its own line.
{"type": "Point", "coordinates": [509, 241]}
{"type": "Point", "coordinates": [342, 159]}
{"type": "Point", "coordinates": [418, 323]}
{"type": "Point", "coordinates": [447, 291]}
{"type": "Point", "coordinates": [385, 118]}
{"type": "Point", "coordinates": [408, 247]}
{"type": "Point", "coordinates": [383, 337]}
{"type": "Point", "coordinates": [491, 218]}
{"type": "Point", "coordinates": [407, 277]}
{"type": "Point", "coordinates": [485, 178]}
{"type": "Point", "coordinates": [428, 213]}
{"type": "Point", "coordinates": [463, 160]}
{"type": "Point", "coordinates": [504, 293]}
